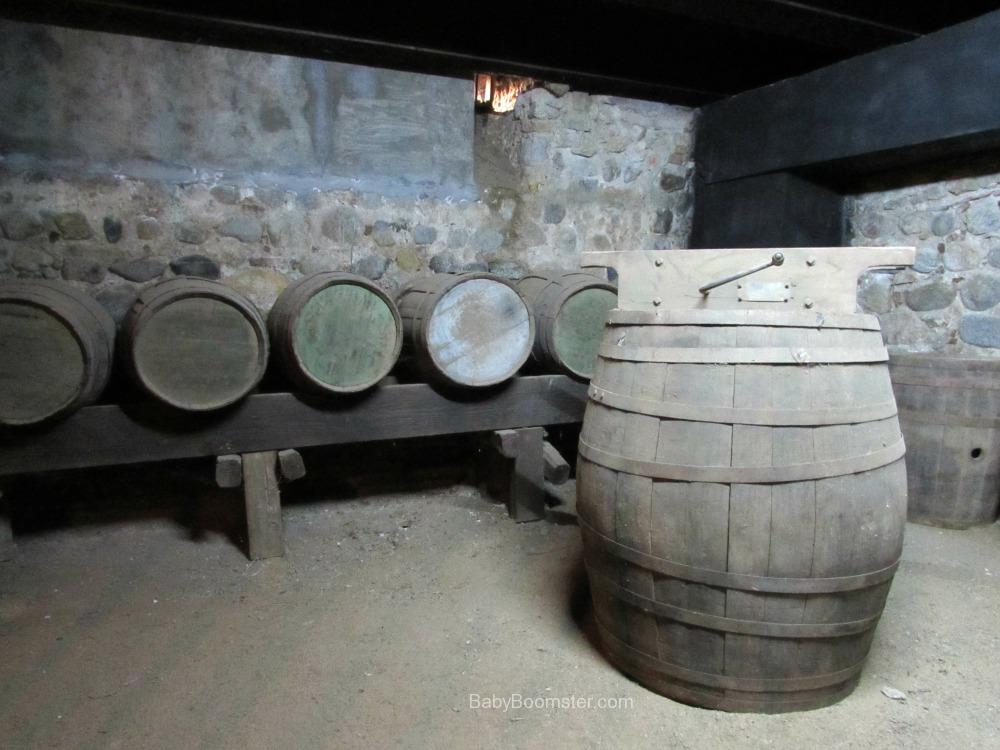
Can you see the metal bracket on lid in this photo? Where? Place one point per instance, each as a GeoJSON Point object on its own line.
{"type": "Point", "coordinates": [822, 279]}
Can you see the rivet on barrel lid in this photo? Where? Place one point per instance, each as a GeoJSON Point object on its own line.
{"type": "Point", "coordinates": [810, 261]}
{"type": "Point", "coordinates": [658, 262]}
{"type": "Point", "coordinates": [657, 301]}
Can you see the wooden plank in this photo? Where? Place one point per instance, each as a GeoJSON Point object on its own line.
{"type": "Point", "coordinates": [109, 435]}
{"type": "Point", "coordinates": [527, 486]}
{"type": "Point", "coordinates": [291, 465]}
{"type": "Point", "coordinates": [229, 471]}
{"type": "Point", "coordinates": [891, 108]}
{"type": "Point", "coordinates": [7, 546]}
{"type": "Point", "coordinates": [556, 468]}
{"type": "Point", "coordinates": [263, 504]}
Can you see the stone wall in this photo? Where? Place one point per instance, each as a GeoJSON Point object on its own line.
{"type": "Point", "coordinates": [257, 169]}
{"type": "Point", "coordinates": [950, 299]}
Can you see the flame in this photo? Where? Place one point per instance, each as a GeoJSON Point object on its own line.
{"type": "Point", "coordinates": [500, 91]}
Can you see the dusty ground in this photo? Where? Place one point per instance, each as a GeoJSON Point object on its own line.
{"type": "Point", "coordinates": [152, 630]}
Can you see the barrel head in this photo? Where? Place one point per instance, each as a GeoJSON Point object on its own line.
{"type": "Point", "coordinates": [198, 353]}
{"type": "Point", "coordinates": [346, 337]}
{"type": "Point", "coordinates": [480, 332]}
{"type": "Point", "coordinates": [579, 326]}
{"type": "Point", "coordinates": [42, 365]}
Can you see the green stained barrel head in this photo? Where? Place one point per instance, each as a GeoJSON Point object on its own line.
{"type": "Point", "coordinates": [345, 336]}
{"type": "Point", "coordinates": [579, 327]}
{"type": "Point", "coordinates": [41, 363]}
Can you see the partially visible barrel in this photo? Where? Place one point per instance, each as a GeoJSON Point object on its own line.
{"type": "Point", "coordinates": [56, 351]}
{"type": "Point", "coordinates": [949, 410]}
{"type": "Point", "coordinates": [471, 330]}
{"type": "Point", "coordinates": [570, 309]}
{"type": "Point", "coordinates": [335, 332]}
{"type": "Point", "coordinates": [195, 344]}
{"type": "Point", "coordinates": [742, 497]}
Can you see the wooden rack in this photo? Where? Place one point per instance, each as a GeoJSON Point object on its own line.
{"type": "Point", "coordinates": [255, 440]}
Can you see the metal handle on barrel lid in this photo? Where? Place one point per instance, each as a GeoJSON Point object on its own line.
{"type": "Point", "coordinates": [776, 260]}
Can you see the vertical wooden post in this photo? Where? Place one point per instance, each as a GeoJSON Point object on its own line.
{"type": "Point", "coordinates": [7, 546]}
{"type": "Point", "coordinates": [526, 501]}
{"type": "Point", "coordinates": [263, 503]}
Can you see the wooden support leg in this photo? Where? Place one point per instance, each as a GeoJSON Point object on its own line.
{"type": "Point", "coordinates": [526, 501]}
{"type": "Point", "coordinates": [263, 502]}
{"type": "Point", "coordinates": [7, 546]}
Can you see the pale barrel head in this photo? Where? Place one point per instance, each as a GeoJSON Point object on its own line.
{"type": "Point", "coordinates": [198, 353]}
{"type": "Point", "coordinates": [42, 364]}
{"type": "Point", "coordinates": [345, 336]}
{"type": "Point", "coordinates": [480, 332]}
{"type": "Point", "coordinates": [579, 327]}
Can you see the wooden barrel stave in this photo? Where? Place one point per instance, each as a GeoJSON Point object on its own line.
{"type": "Point", "coordinates": [950, 413]}
{"type": "Point", "coordinates": [335, 332]}
{"type": "Point", "coordinates": [58, 348]}
{"type": "Point", "coordinates": [570, 309]}
{"type": "Point", "coordinates": [471, 330]}
{"type": "Point", "coordinates": [195, 344]}
{"type": "Point", "coordinates": [824, 528]}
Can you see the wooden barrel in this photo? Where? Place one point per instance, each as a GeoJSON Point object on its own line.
{"type": "Point", "coordinates": [570, 310]}
{"type": "Point", "coordinates": [949, 409]}
{"type": "Point", "coordinates": [335, 332]}
{"type": "Point", "coordinates": [56, 350]}
{"type": "Point", "coordinates": [472, 330]}
{"type": "Point", "coordinates": [742, 497]}
{"type": "Point", "coordinates": [195, 344]}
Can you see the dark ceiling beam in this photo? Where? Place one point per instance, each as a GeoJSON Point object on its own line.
{"type": "Point", "coordinates": [930, 98]}
{"type": "Point", "coordinates": [302, 36]}
{"type": "Point", "coordinates": [792, 20]}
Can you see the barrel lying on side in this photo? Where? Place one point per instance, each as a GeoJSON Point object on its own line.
{"type": "Point", "coordinates": [335, 332]}
{"type": "Point", "coordinates": [195, 344]}
{"type": "Point", "coordinates": [570, 310]}
{"type": "Point", "coordinates": [949, 410]}
{"type": "Point", "coordinates": [56, 350]}
{"type": "Point", "coordinates": [472, 330]}
{"type": "Point", "coordinates": [742, 498]}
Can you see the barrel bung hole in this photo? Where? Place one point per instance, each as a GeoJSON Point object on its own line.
{"type": "Point", "coordinates": [976, 453]}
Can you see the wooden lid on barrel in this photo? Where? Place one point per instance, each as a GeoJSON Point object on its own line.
{"type": "Point", "coordinates": [56, 346]}
{"type": "Point", "coordinates": [335, 332]}
{"type": "Point", "coordinates": [473, 329]}
{"type": "Point", "coordinates": [195, 344]}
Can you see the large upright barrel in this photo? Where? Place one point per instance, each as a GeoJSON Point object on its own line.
{"type": "Point", "coordinates": [741, 487]}
{"type": "Point", "coordinates": [195, 344]}
{"type": "Point", "coordinates": [335, 332]}
{"type": "Point", "coordinates": [56, 350]}
{"type": "Point", "coordinates": [570, 309]}
{"type": "Point", "coordinates": [949, 409]}
{"type": "Point", "coordinates": [472, 330]}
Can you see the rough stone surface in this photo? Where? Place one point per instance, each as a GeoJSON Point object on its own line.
{"type": "Point", "coordinates": [942, 224]}
{"type": "Point", "coordinates": [983, 217]}
{"type": "Point", "coordinates": [342, 225]}
{"type": "Point", "coordinates": [486, 240]}
{"type": "Point", "coordinates": [196, 265]}
{"type": "Point", "coordinates": [903, 329]}
{"type": "Point", "coordinates": [875, 292]}
{"type": "Point", "coordinates": [73, 225]}
{"type": "Point", "coordinates": [664, 220]}
{"type": "Point", "coordinates": [226, 194]}
{"type": "Point", "coordinates": [980, 330]}
{"type": "Point", "coordinates": [408, 259]}
{"type": "Point", "coordinates": [424, 235]}
{"type": "Point", "coordinates": [554, 213]}
{"type": "Point", "coordinates": [140, 270]}
{"type": "Point", "coordinates": [30, 259]}
{"type": "Point", "coordinates": [191, 232]}
{"type": "Point", "coordinates": [112, 229]}
{"type": "Point", "coordinates": [148, 228]}
{"type": "Point", "coordinates": [934, 295]}
{"type": "Point", "coordinates": [371, 267]}
{"type": "Point", "coordinates": [928, 259]}
{"type": "Point", "coordinates": [117, 300]}
{"type": "Point", "coordinates": [671, 183]}
{"type": "Point", "coordinates": [475, 266]}
{"type": "Point", "coordinates": [445, 263]}
{"type": "Point", "coordinates": [259, 285]}
{"type": "Point", "coordinates": [981, 292]}
{"type": "Point", "coordinates": [20, 225]}
{"type": "Point", "coordinates": [81, 269]}
{"type": "Point", "coordinates": [243, 228]}
{"type": "Point", "coordinates": [507, 269]}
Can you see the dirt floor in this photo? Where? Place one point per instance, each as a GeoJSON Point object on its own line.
{"type": "Point", "coordinates": [392, 612]}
